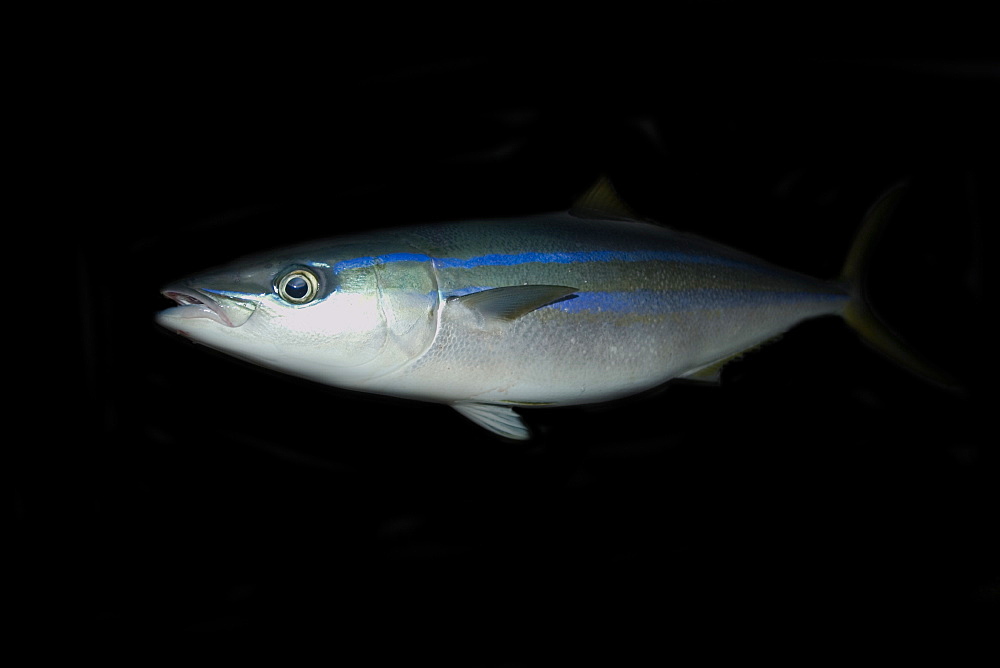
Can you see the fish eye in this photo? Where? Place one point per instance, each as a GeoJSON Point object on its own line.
{"type": "Point", "coordinates": [299, 286]}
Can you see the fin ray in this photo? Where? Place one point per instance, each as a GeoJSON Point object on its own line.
{"type": "Point", "coordinates": [501, 420]}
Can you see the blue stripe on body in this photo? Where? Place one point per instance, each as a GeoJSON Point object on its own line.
{"type": "Point", "coordinates": [234, 294]}
{"type": "Point", "coordinates": [513, 259]}
{"type": "Point", "coordinates": [651, 302]}
{"type": "Point", "coordinates": [372, 260]}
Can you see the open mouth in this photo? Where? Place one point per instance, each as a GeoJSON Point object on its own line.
{"type": "Point", "coordinates": [194, 304]}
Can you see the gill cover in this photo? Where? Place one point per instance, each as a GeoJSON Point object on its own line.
{"type": "Point", "coordinates": [408, 301]}
{"type": "Point", "coordinates": [368, 314]}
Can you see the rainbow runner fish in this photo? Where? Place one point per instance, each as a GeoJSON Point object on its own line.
{"type": "Point", "coordinates": [557, 309]}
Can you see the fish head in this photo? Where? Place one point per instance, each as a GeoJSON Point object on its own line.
{"type": "Point", "coordinates": [319, 313]}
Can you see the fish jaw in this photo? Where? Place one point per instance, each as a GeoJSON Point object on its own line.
{"type": "Point", "coordinates": [194, 304]}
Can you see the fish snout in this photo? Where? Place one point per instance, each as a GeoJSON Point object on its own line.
{"type": "Point", "coordinates": [197, 303]}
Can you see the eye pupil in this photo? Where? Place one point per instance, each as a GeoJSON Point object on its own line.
{"type": "Point", "coordinates": [297, 287]}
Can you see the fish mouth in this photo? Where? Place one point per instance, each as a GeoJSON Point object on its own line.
{"type": "Point", "coordinates": [195, 304]}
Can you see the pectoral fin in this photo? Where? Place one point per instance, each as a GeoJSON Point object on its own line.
{"type": "Point", "coordinates": [512, 302]}
{"type": "Point", "coordinates": [500, 420]}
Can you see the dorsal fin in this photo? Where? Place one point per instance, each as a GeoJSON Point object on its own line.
{"type": "Point", "coordinates": [602, 201]}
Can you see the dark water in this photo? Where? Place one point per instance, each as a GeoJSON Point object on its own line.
{"type": "Point", "coordinates": [172, 495]}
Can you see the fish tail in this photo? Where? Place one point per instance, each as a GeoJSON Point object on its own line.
{"type": "Point", "coordinates": [859, 313]}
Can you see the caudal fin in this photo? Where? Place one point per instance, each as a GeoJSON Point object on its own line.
{"type": "Point", "coordinates": [859, 314]}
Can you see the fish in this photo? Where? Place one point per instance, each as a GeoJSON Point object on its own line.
{"type": "Point", "coordinates": [487, 316]}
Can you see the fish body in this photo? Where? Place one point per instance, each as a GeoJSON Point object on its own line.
{"type": "Point", "coordinates": [558, 309]}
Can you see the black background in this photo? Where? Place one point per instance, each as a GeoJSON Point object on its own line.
{"type": "Point", "coordinates": [819, 495]}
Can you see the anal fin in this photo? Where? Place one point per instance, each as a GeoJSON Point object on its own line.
{"type": "Point", "coordinates": [712, 372]}
{"type": "Point", "coordinates": [501, 420]}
